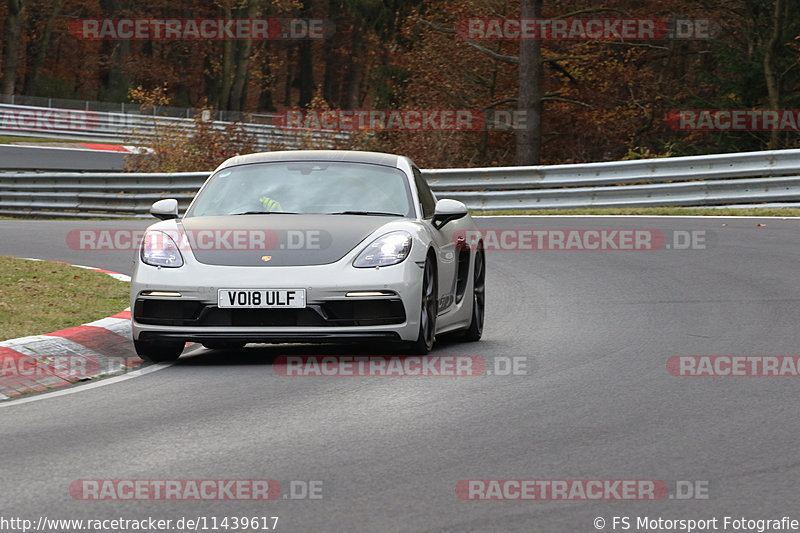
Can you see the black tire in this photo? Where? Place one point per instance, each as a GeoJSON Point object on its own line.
{"type": "Point", "coordinates": [429, 309]}
{"type": "Point", "coordinates": [158, 352]}
{"type": "Point", "coordinates": [475, 330]}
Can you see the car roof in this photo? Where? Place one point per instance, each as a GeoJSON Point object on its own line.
{"type": "Point", "coordinates": [351, 156]}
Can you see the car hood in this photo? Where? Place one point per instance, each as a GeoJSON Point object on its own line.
{"type": "Point", "coordinates": [277, 239]}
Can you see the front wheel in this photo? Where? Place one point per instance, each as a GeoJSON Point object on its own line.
{"type": "Point", "coordinates": [475, 329]}
{"type": "Point", "coordinates": [429, 309]}
{"type": "Point", "coordinates": [158, 352]}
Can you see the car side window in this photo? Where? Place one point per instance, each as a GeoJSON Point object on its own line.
{"type": "Point", "coordinates": [426, 198]}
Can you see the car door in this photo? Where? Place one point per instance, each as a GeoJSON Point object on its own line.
{"type": "Point", "coordinates": [445, 242]}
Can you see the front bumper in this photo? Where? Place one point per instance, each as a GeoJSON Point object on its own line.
{"type": "Point", "coordinates": [347, 312]}
{"type": "Point", "coordinates": [263, 337]}
{"type": "Point", "coordinates": [330, 314]}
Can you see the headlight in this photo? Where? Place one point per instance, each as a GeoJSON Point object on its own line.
{"type": "Point", "coordinates": [158, 249]}
{"type": "Point", "coordinates": [386, 250]}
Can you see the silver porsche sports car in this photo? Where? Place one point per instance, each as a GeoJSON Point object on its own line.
{"type": "Point", "coordinates": [308, 246]}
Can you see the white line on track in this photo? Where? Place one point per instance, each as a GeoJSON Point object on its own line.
{"type": "Point", "coordinates": [88, 386]}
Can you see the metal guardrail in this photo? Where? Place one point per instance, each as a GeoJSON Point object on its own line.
{"type": "Point", "coordinates": [137, 127]}
{"type": "Point", "coordinates": [690, 193]}
{"type": "Point", "coordinates": [122, 107]}
{"type": "Point", "coordinates": [96, 194]}
{"type": "Point", "coordinates": [658, 170]}
{"type": "Point", "coordinates": [720, 179]}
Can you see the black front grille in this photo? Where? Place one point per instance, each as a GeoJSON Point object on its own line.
{"type": "Point", "coordinates": [214, 316]}
{"type": "Point", "coordinates": [149, 311]}
{"type": "Point", "coordinates": [344, 313]}
{"type": "Point", "coordinates": [365, 312]}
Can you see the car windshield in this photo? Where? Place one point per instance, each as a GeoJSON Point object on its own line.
{"type": "Point", "coordinates": [325, 187]}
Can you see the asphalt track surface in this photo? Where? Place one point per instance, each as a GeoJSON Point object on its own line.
{"type": "Point", "coordinates": [596, 329]}
{"type": "Point", "coordinates": [74, 159]}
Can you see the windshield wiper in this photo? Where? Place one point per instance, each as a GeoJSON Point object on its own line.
{"type": "Point", "coordinates": [368, 213]}
{"type": "Point", "coordinates": [265, 213]}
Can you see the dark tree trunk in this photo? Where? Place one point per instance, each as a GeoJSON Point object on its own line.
{"type": "Point", "coordinates": [227, 67]}
{"type": "Point", "coordinates": [529, 137]}
{"type": "Point", "coordinates": [116, 83]}
{"type": "Point", "coordinates": [305, 71]}
{"type": "Point", "coordinates": [356, 70]}
{"type": "Point", "coordinates": [11, 51]}
{"type": "Point", "coordinates": [331, 84]}
{"type": "Point", "coordinates": [265, 99]}
{"type": "Point", "coordinates": [290, 70]}
{"type": "Point", "coordinates": [770, 71]}
{"type": "Point", "coordinates": [32, 79]}
{"type": "Point", "coordinates": [244, 49]}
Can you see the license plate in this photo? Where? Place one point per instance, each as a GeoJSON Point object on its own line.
{"type": "Point", "coordinates": [262, 298]}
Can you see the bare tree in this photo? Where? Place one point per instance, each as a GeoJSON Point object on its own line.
{"type": "Point", "coordinates": [227, 63]}
{"type": "Point", "coordinates": [529, 134]}
{"type": "Point", "coordinates": [16, 17]}
{"type": "Point", "coordinates": [243, 52]}
{"type": "Point", "coordinates": [770, 74]}
{"type": "Point", "coordinates": [32, 78]}
{"type": "Point", "coordinates": [305, 72]}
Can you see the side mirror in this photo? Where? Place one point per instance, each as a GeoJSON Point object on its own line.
{"type": "Point", "coordinates": [165, 209]}
{"type": "Point", "coordinates": [448, 210]}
